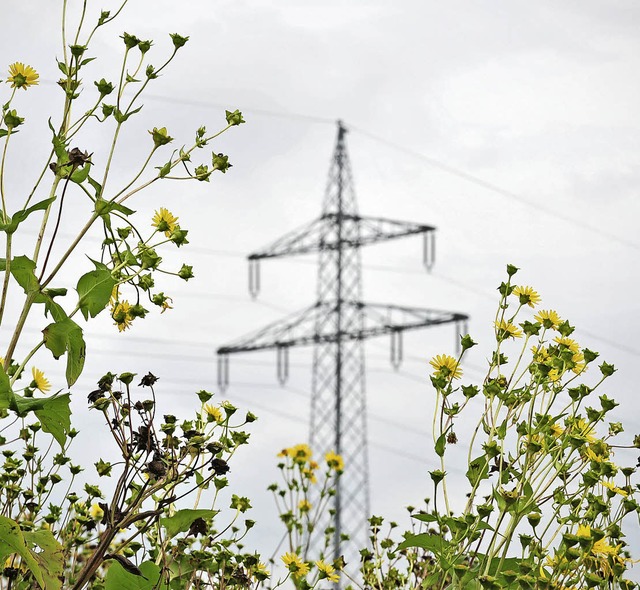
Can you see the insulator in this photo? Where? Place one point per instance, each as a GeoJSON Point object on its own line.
{"type": "Point", "coordinates": [396, 349]}
{"type": "Point", "coordinates": [254, 277]}
{"type": "Point", "coordinates": [282, 364]}
{"type": "Point", "coordinates": [223, 372]}
{"type": "Point", "coordinates": [429, 249]}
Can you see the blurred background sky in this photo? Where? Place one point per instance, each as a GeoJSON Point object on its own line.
{"type": "Point", "coordinates": [511, 126]}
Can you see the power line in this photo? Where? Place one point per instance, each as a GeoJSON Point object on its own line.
{"type": "Point", "coordinates": [498, 190]}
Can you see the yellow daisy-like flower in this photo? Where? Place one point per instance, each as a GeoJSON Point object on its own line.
{"type": "Point", "coordinates": [613, 488]}
{"type": "Point", "coordinates": [584, 531]}
{"type": "Point", "coordinates": [446, 366]}
{"type": "Point", "coordinates": [261, 572]}
{"type": "Point", "coordinates": [548, 318]}
{"type": "Point", "coordinates": [556, 430]}
{"type": "Point", "coordinates": [506, 330]}
{"type": "Point", "coordinates": [295, 565]}
{"type": "Point", "coordinates": [164, 221]}
{"type": "Point", "coordinates": [554, 375]}
{"type": "Point", "coordinates": [327, 571]}
{"type": "Point", "coordinates": [335, 461]}
{"type": "Point", "coordinates": [121, 314]}
{"type": "Point", "coordinates": [603, 555]}
{"type": "Point", "coordinates": [540, 354]}
{"type": "Point", "coordinates": [313, 465]}
{"type": "Point", "coordinates": [213, 414]}
{"type": "Point", "coordinates": [21, 76]}
{"type": "Point", "coordinates": [300, 453]}
{"type": "Point", "coordinates": [96, 512]}
{"type": "Point", "coordinates": [40, 382]}
{"type": "Point", "coordinates": [579, 365]}
{"type": "Point", "coordinates": [304, 506]}
{"type": "Point", "coordinates": [284, 453]}
{"type": "Point", "coordinates": [310, 475]}
{"type": "Point", "coordinates": [585, 430]}
{"type": "Point", "coordinates": [569, 343]}
{"type": "Point", "coordinates": [527, 296]}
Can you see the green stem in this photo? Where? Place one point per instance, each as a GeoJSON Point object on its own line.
{"type": "Point", "coordinates": [5, 283]}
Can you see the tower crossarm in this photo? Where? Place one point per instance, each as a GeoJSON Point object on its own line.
{"type": "Point", "coordinates": [317, 235]}
{"type": "Point", "coordinates": [315, 325]}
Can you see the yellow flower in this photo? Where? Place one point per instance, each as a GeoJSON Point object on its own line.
{"type": "Point", "coordinates": [506, 330]}
{"type": "Point", "coordinates": [40, 382]}
{"type": "Point", "coordinates": [548, 318]}
{"type": "Point", "coordinates": [578, 363]}
{"type": "Point", "coordinates": [556, 430]}
{"type": "Point", "coordinates": [540, 354]}
{"type": "Point", "coordinates": [310, 475]}
{"type": "Point", "coordinates": [295, 565]}
{"type": "Point", "coordinates": [527, 296]}
{"type": "Point", "coordinates": [21, 76]}
{"type": "Point", "coordinates": [327, 571]}
{"type": "Point", "coordinates": [554, 375]}
{"type": "Point", "coordinates": [284, 453]}
{"type": "Point", "coordinates": [613, 488]}
{"type": "Point", "coordinates": [304, 506]}
{"type": "Point", "coordinates": [572, 345]}
{"type": "Point", "coordinates": [261, 572]}
{"type": "Point", "coordinates": [214, 413]}
{"type": "Point", "coordinates": [300, 453]}
{"type": "Point", "coordinates": [446, 366]}
{"type": "Point", "coordinates": [603, 555]}
{"type": "Point", "coordinates": [96, 512]}
{"type": "Point", "coordinates": [121, 314]}
{"type": "Point", "coordinates": [164, 221]}
{"type": "Point", "coordinates": [334, 461]}
{"type": "Point", "coordinates": [585, 430]}
{"type": "Point", "coordinates": [584, 531]}
{"type": "Point", "coordinates": [313, 465]}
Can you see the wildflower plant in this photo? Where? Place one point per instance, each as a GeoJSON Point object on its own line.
{"type": "Point", "coordinates": [134, 531]}
{"type": "Point", "coordinates": [546, 501]}
{"type": "Point", "coordinates": [302, 498]}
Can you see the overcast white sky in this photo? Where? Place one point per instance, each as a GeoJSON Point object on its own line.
{"type": "Point", "coordinates": [538, 99]}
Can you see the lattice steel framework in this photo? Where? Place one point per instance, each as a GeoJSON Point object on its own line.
{"type": "Point", "coordinates": [337, 326]}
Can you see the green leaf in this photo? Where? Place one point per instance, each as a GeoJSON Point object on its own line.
{"type": "Point", "coordinates": [440, 445]}
{"type": "Point", "coordinates": [50, 558]}
{"type": "Point", "coordinates": [53, 412]}
{"type": "Point", "coordinates": [120, 579]}
{"type": "Point", "coordinates": [96, 186]}
{"type": "Point", "coordinates": [94, 290]}
{"type": "Point", "coordinates": [45, 565]}
{"type": "Point", "coordinates": [425, 517]}
{"type": "Point", "coordinates": [183, 519]}
{"type": "Point", "coordinates": [20, 216]}
{"type": "Point", "coordinates": [6, 393]}
{"type": "Point", "coordinates": [478, 470]}
{"type": "Point", "coordinates": [22, 269]}
{"type": "Point", "coordinates": [81, 174]}
{"type": "Point", "coordinates": [66, 336]}
{"type": "Point", "coordinates": [104, 207]}
{"type": "Point", "coordinates": [434, 543]}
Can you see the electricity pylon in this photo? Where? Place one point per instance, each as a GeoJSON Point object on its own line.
{"type": "Point", "coordinates": [337, 326]}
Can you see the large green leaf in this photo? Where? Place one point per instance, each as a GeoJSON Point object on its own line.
{"type": "Point", "coordinates": [22, 269]}
{"type": "Point", "coordinates": [66, 336]}
{"type": "Point", "coordinates": [434, 543]}
{"type": "Point", "coordinates": [478, 470]}
{"type": "Point", "coordinates": [53, 412]}
{"type": "Point", "coordinates": [94, 290]}
{"type": "Point", "coordinates": [6, 393]}
{"type": "Point", "coordinates": [118, 578]}
{"type": "Point", "coordinates": [183, 519]}
{"type": "Point", "coordinates": [45, 565]}
{"type": "Point", "coordinates": [19, 216]}
{"type": "Point", "coordinates": [50, 558]}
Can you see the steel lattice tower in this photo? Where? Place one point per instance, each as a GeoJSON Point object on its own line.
{"type": "Point", "coordinates": [337, 325]}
